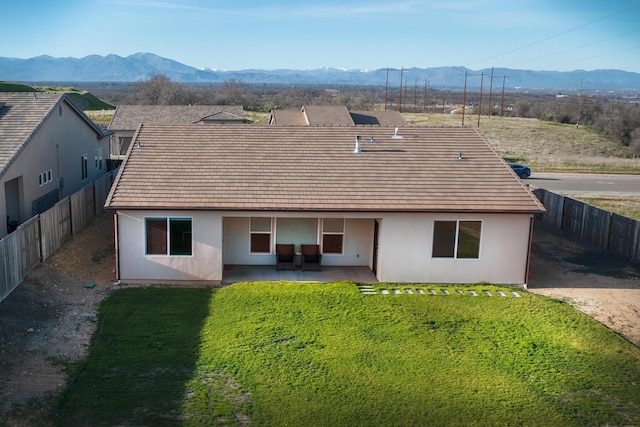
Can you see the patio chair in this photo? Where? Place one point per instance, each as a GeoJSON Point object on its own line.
{"type": "Point", "coordinates": [285, 257]}
{"type": "Point", "coordinates": [311, 257]}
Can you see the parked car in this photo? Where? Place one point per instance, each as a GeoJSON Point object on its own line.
{"type": "Point", "coordinates": [521, 170]}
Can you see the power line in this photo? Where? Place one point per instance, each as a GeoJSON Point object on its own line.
{"type": "Point", "coordinates": [598, 56]}
{"type": "Point", "coordinates": [574, 48]}
{"type": "Point", "coordinates": [556, 35]}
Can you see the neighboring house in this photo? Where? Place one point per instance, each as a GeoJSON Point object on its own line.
{"type": "Point", "coordinates": [432, 205]}
{"type": "Point", "coordinates": [127, 118]}
{"type": "Point", "coordinates": [49, 149]}
{"type": "Point", "coordinates": [314, 115]}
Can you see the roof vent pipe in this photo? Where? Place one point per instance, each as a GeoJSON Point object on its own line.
{"type": "Point", "coordinates": [357, 149]}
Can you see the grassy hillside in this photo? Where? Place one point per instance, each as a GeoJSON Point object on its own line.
{"type": "Point", "coordinates": [14, 87]}
{"type": "Point", "coordinates": [83, 99]}
{"type": "Point", "coordinates": [544, 146]}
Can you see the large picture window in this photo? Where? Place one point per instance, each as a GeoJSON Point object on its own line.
{"type": "Point", "coordinates": [456, 239]}
{"type": "Point", "coordinates": [260, 235]}
{"type": "Point", "coordinates": [332, 235]}
{"type": "Point", "coordinates": [168, 236]}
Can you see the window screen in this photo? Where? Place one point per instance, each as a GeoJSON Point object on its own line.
{"type": "Point", "coordinates": [260, 235]}
{"type": "Point", "coordinates": [332, 235]}
{"type": "Point", "coordinates": [176, 240]}
{"type": "Point", "coordinates": [456, 239]}
{"type": "Point", "coordinates": [156, 229]}
{"type": "Point", "coordinates": [180, 233]}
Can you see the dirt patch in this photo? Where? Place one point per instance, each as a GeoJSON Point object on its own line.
{"type": "Point", "coordinates": [600, 284]}
{"type": "Point", "coordinates": [49, 319]}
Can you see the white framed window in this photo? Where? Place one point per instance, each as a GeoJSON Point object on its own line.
{"type": "Point", "coordinates": [168, 236]}
{"type": "Point", "coordinates": [456, 239]}
{"type": "Point", "coordinates": [260, 235]}
{"type": "Point", "coordinates": [84, 168]}
{"type": "Point", "coordinates": [98, 158]}
{"type": "Point", "coordinates": [333, 236]}
{"type": "Point", "coordinates": [45, 177]}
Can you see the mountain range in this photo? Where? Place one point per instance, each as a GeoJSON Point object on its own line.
{"type": "Point", "coordinates": [141, 66]}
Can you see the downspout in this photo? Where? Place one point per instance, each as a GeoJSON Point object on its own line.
{"type": "Point", "coordinates": [117, 246]}
{"type": "Point", "coordinates": [527, 267]}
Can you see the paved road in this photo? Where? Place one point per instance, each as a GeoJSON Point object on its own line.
{"type": "Point", "coordinates": [571, 183]}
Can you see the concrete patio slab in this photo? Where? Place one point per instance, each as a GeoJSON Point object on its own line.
{"type": "Point", "coordinates": [268, 273]}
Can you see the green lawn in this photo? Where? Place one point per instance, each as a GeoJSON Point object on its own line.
{"type": "Point", "coordinates": [323, 354]}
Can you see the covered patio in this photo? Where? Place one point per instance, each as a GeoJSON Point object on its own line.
{"type": "Point", "coordinates": [268, 273]}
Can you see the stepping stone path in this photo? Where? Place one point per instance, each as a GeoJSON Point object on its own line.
{"type": "Point", "coordinates": [366, 290]}
{"type": "Point", "coordinates": [369, 290]}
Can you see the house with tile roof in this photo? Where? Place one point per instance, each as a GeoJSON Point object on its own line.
{"type": "Point", "coordinates": [49, 149]}
{"type": "Point", "coordinates": [418, 204]}
{"type": "Point", "coordinates": [331, 115]}
{"type": "Point", "coordinates": [127, 118]}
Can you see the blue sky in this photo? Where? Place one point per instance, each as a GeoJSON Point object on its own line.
{"type": "Point", "coordinates": [557, 35]}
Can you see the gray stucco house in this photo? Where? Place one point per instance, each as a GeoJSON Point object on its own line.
{"type": "Point", "coordinates": [49, 149]}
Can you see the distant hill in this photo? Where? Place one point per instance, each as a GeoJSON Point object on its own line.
{"type": "Point", "coordinates": [141, 66]}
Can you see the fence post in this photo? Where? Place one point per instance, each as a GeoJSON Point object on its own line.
{"type": "Point", "coordinates": [636, 244]}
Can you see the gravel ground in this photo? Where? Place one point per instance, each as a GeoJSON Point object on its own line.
{"type": "Point", "coordinates": [50, 317]}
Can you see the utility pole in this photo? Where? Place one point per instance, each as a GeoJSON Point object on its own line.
{"type": "Point", "coordinates": [502, 102]}
{"type": "Point", "coordinates": [426, 96]}
{"type": "Point", "coordinates": [400, 91]}
{"type": "Point", "coordinates": [386, 90]}
{"type": "Point", "coordinates": [480, 101]}
{"type": "Point", "coordinates": [444, 98]}
{"type": "Point", "coordinates": [490, 90]}
{"type": "Point", "coordinates": [464, 97]}
{"type": "Point", "coordinates": [404, 97]}
{"type": "Point", "coordinates": [415, 95]}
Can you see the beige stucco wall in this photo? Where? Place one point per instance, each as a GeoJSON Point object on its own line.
{"type": "Point", "coordinates": [405, 244]}
{"type": "Point", "coordinates": [404, 249]}
{"type": "Point", "coordinates": [205, 265]}
{"type": "Point", "coordinates": [358, 241]}
{"type": "Point", "coordinates": [57, 145]}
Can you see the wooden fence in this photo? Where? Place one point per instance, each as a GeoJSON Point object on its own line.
{"type": "Point", "coordinates": [606, 230]}
{"type": "Point", "coordinates": [37, 239]}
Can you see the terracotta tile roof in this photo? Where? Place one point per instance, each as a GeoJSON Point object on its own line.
{"type": "Point", "coordinates": [313, 115]}
{"type": "Point", "coordinates": [253, 167]}
{"type": "Point", "coordinates": [327, 115]}
{"type": "Point", "coordinates": [378, 118]}
{"type": "Point", "coordinates": [21, 115]}
{"type": "Point", "coordinates": [129, 117]}
{"type": "Point", "coordinates": [293, 117]}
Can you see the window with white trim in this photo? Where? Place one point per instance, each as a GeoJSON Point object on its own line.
{"type": "Point", "coordinates": [456, 239]}
{"type": "Point", "coordinates": [168, 236]}
{"type": "Point", "coordinates": [260, 235]}
{"type": "Point", "coordinates": [333, 236]}
{"type": "Point", "coordinates": [98, 158]}
{"type": "Point", "coordinates": [84, 166]}
{"type": "Point", "coordinates": [45, 177]}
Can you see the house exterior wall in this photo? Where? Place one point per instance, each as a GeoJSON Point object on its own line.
{"type": "Point", "coordinates": [405, 249]}
{"type": "Point", "coordinates": [205, 265]}
{"type": "Point", "coordinates": [358, 242]}
{"type": "Point", "coordinates": [57, 146]}
{"type": "Point", "coordinates": [119, 143]}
